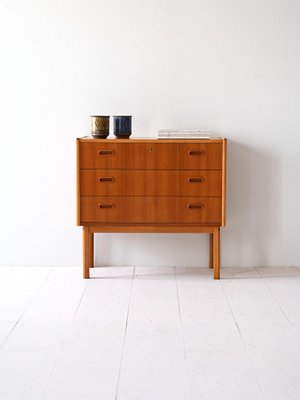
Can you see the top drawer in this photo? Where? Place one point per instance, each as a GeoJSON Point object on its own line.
{"type": "Point", "coordinates": [160, 155]}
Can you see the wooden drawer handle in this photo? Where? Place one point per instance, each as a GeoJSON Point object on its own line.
{"type": "Point", "coordinates": [196, 152]}
{"type": "Point", "coordinates": [200, 179]}
{"type": "Point", "coordinates": [110, 205]}
{"type": "Point", "coordinates": [199, 205]}
{"type": "Point", "coordinates": [105, 152]}
{"type": "Point", "coordinates": [106, 179]}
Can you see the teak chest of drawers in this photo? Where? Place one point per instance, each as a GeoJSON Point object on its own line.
{"type": "Point", "coordinates": [150, 185]}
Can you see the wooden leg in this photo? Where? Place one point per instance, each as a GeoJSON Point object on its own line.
{"type": "Point", "coordinates": [92, 251]}
{"type": "Point", "coordinates": [211, 253]}
{"type": "Point", "coordinates": [87, 251]}
{"type": "Point", "coordinates": [216, 253]}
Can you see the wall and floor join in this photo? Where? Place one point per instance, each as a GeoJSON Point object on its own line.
{"type": "Point", "coordinates": [151, 323]}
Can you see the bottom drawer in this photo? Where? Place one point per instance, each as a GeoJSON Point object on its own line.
{"type": "Point", "coordinates": [137, 209]}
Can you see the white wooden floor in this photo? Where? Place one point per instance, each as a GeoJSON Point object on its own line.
{"type": "Point", "coordinates": [149, 333]}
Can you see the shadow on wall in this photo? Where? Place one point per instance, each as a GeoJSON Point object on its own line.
{"type": "Point", "coordinates": [254, 201]}
{"type": "Point", "coordinates": [254, 204]}
{"type": "Point", "coordinates": [151, 249]}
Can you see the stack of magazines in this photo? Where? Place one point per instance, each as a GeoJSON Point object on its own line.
{"type": "Point", "coordinates": [184, 134]}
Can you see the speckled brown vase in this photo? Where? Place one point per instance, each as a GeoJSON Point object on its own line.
{"type": "Point", "coordinates": [100, 126]}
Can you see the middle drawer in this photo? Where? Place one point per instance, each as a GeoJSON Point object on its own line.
{"type": "Point", "coordinates": [150, 183]}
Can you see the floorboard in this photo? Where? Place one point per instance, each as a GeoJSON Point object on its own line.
{"type": "Point", "coordinates": [88, 365]}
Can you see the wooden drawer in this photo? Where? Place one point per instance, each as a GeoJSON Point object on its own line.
{"type": "Point", "coordinates": [202, 210]}
{"type": "Point", "coordinates": [106, 155]}
{"type": "Point", "coordinates": [150, 183]}
{"type": "Point", "coordinates": [188, 155]}
{"type": "Point", "coordinates": [162, 155]}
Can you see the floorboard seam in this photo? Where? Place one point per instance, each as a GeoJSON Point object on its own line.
{"type": "Point", "coordinates": [124, 336]}
{"type": "Point", "coordinates": [181, 331]}
{"type": "Point", "coordinates": [243, 343]}
{"type": "Point", "coordinates": [79, 303]}
{"type": "Point", "coordinates": [25, 310]}
{"type": "Point", "coordinates": [62, 343]}
{"type": "Point", "coordinates": [274, 298]}
{"type": "Point", "coordinates": [6, 275]}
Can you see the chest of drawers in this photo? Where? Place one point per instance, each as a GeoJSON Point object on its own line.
{"type": "Point", "coordinates": [150, 185]}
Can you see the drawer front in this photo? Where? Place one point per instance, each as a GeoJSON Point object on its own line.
{"type": "Point", "coordinates": [116, 155]}
{"type": "Point", "coordinates": [202, 210]}
{"type": "Point", "coordinates": [162, 155]}
{"type": "Point", "coordinates": [188, 155]}
{"type": "Point", "coordinates": [150, 183]}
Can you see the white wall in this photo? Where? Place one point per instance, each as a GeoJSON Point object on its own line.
{"type": "Point", "coordinates": [229, 65]}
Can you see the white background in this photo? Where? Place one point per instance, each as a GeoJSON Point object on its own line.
{"type": "Point", "coordinates": [229, 65]}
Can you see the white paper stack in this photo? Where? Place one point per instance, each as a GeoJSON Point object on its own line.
{"type": "Point", "coordinates": [184, 134]}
